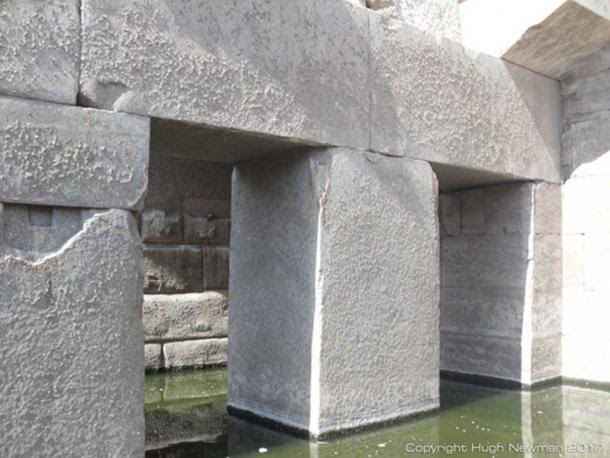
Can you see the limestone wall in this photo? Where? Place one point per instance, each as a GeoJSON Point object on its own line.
{"type": "Point", "coordinates": [185, 226]}
{"type": "Point", "coordinates": [501, 282]}
{"type": "Point", "coordinates": [586, 218]}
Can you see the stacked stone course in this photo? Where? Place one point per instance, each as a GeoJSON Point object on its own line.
{"type": "Point", "coordinates": [185, 227]}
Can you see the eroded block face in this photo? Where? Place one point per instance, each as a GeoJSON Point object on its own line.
{"type": "Point", "coordinates": [76, 387]}
{"type": "Point", "coordinates": [172, 269]}
{"type": "Point", "coordinates": [185, 316]}
{"type": "Point", "coordinates": [71, 156]}
{"type": "Point", "coordinates": [40, 49]}
{"type": "Point", "coordinates": [267, 80]}
{"type": "Point", "coordinates": [334, 245]}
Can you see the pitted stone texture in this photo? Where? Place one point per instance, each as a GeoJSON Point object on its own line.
{"type": "Point", "coordinates": [172, 269]}
{"type": "Point", "coordinates": [334, 245]}
{"type": "Point", "coordinates": [40, 49]}
{"type": "Point", "coordinates": [438, 17]}
{"type": "Point", "coordinates": [185, 316]}
{"type": "Point", "coordinates": [195, 353]}
{"type": "Point", "coordinates": [71, 156]}
{"type": "Point", "coordinates": [72, 354]}
{"type": "Point", "coordinates": [293, 69]}
{"type": "Point", "coordinates": [436, 101]}
{"type": "Point", "coordinates": [547, 37]}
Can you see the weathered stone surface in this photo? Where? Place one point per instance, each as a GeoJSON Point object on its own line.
{"type": "Point", "coordinates": [172, 269]}
{"type": "Point", "coordinates": [41, 49]}
{"type": "Point", "coordinates": [71, 156]}
{"type": "Point", "coordinates": [72, 354]}
{"type": "Point", "coordinates": [546, 37]}
{"type": "Point", "coordinates": [436, 101]}
{"type": "Point", "coordinates": [438, 17]}
{"type": "Point", "coordinates": [195, 353]}
{"type": "Point", "coordinates": [185, 316]}
{"type": "Point", "coordinates": [314, 233]}
{"type": "Point", "coordinates": [215, 268]}
{"type": "Point", "coordinates": [279, 75]}
{"type": "Point", "coordinates": [159, 226]}
{"type": "Point", "coordinates": [152, 356]}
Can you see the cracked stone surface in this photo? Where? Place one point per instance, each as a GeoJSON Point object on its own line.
{"type": "Point", "coordinates": [40, 49]}
{"type": "Point", "coordinates": [315, 233]}
{"type": "Point", "coordinates": [72, 156]}
{"type": "Point", "coordinates": [72, 354]}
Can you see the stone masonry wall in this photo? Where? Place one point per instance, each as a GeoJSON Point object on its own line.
{"type": "Point", "coordinates": [501, 281]}
{"type": "Point", "coordinates": [586, 218]}
{"type": "Point", "coordinates": [185, 226]}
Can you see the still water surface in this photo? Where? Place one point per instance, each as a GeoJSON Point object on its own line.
{"type": "Point", "coordinates": [186, 418]}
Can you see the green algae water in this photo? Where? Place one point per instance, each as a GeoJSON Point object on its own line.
{"type": "Point", "coordinates": [186, 417]}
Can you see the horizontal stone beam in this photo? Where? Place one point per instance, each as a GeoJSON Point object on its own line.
{"type": "Point", "coordinates": [71, 156]}
{"type": "Point", "coordinates": [546, 36]}
{"type": "Point", "coordinates": [320, 72]}
{"type": "Point", "coordinates": [40, 49]}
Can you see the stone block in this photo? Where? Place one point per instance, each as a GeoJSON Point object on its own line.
{"type": "Point", "coordinates": [493, 116]}
{"type": "Point", "coordinates": [546, 37]}
{"type": "Point", "coordinates": [498, 261]}
{"type": "Point", "coordinates": [76, 387]}
{"type": "Point", "coordinates": [508, 208]}
{"type": "Point", "coordinates": [152, 356]}
{"type": "Point", "coordinates": [185, 316]}
{"type": "Point", "coordinates": [485, 355]}
{"type": "Point", "coordinates": [195, 353]}
{"type": "Point", "coordinates": [161, 226]}
{"type": "Point", "coordinates": [438, 17]}
{"type": "Point", "coordinates": [300, 84]}
{"type": "Point", "coordinates": [172, 269]}
{"type": "Point", "coordinates": [334, 245]}
{"type": "Point", "coordinates": [544, 358]}
{"type": "Point", "coordinates": [206, 221]}
{"type": "Point", "coordinates": [41, 49]}
{"type": "Point", "coordinates": [215, 268]}
{"type": "Point", "coordinates": [71, 156]}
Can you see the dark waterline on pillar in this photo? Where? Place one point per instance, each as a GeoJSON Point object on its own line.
{"type": "Point", "coordinates": [186, 418]}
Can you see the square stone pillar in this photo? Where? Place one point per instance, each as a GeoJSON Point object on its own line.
{"type": "Point", "coordinates": [501, 283]}
{"type": "Point", "coordinates": [334, 290]}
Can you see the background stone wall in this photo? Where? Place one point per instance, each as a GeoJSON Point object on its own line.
{"type": "Point", "coordinates": [586, 218]}
{"type": "Point", "coordinates": [185, 226]}
{"type": "Point", "coordinates": [501, 281]}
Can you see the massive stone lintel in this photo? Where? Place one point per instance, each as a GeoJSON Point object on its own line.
{"type": "Point", "coordinates": [319, 72]}
{"type": "Point", "coordinates": [334, 295]}
{"type": "Point", "coordinates": [501, 282]}
{"type": "Point", "coordinates": [436, 101]}
{"type": "Point", "coordinates": [288, 68]}
{"type": "Point", "coordinates": [547, 36]}
{"type": "Point", "coordinates": [71, 156]}
{"type": "Point", "coordinates": [71, 346]}
{"type": "Point", "coordinates": [40, 49]}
